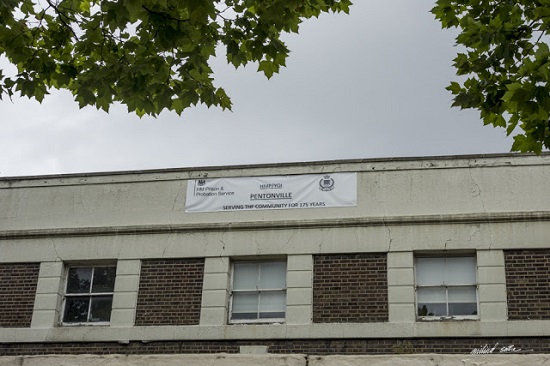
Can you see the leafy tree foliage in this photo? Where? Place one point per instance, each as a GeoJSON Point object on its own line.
{"type": "Point", "coordinates": [507, 64]}
{"type": "Point", "coordinates": [150, 55]}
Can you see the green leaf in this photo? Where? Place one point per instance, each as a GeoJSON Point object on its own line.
{"type": "Point", "coordinates": [512, 124]}
{"type": "Point", "coordinates": [85, 6]}
{"type": "Point", "coordinates": [454, 88]}
{"type": "Point", "coordinates": [506, 60]}
{"type": "Point", "coordinates": [134, 8]}
{"type": "Point", "coordinates": [149, 55]}
{"type": "Point", "coordinates": [268, 67]}
{"type": "Point", "coordinates": [542, 12]}
{"type": "Point", "coordinates": [27, 7]}
{"type": "Point", "coordinates": [524, 143]}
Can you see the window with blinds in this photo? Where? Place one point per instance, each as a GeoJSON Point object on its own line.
{"type": "Point", "coordinates": [258, 291]}
{"type": "Point", "coordinates": [446, 287]}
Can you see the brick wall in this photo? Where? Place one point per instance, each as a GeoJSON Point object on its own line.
{"type": "Point", "coordinates": [528, 284]}
{"type": "Point", "coordinates": [350, 288]}
{"type": "Point", "coordinates": [170, 292]}
{"type": "Point", "coordinates": [17, 291]}
{"type": "Point", "coordinates": [530, 345]}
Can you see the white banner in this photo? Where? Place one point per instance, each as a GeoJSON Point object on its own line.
{"type": "Point", "coordinates": [275, 192]}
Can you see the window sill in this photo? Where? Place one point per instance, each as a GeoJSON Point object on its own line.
{"type": "Point", "coordinates": [95, 324]}
{"type": "Point", "coordinates": [447, 318]}
{"type": "Point", "coordinates": [257, 322]}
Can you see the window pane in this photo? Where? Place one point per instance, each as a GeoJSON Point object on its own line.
{"type": "Point", "coordinates": [461, 271]}
{"type": "Point", "coordinates": [433, 295]}
{"type": "Point", "coordinates": [272, 315]}
{"type": "Point", "coordinates": [463, 309]}
{"type": "Point", "coordinates": [251, 298]}
{"type": "Point", "coordinates": [432, 309]}
{"type": "Point", "coordinates": [101, 308]}
{"type": "Point", "coordinates": [272, 305]}
{"type": "Point", "coordinates": [462, 294]}
{"type": "Point", "coordinates": [76, 309]}
{"type": "Point", "coordinates": [244, 316]}
{"type": "Point", "coordinates": [430, 271]}
{"type": "Point", "coordinates": [245, 276]}
{"type": "Point", "coordinates": [78, 280]}
{"type": "Point", "coordinates": [272, 275]}
{"type": "Point", "coordinates": [104, 279]}
{"type": "Point", "coordinates": [245, 304]}
{"type": "Point", "coordinates": [272, 302]}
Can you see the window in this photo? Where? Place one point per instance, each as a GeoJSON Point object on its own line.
{"type": "Point", "coordinates": [446, 287]}
{"type": "Point", "coordinates": [258, 292]}
{"type": "Point", "coordinates": [89, 295]}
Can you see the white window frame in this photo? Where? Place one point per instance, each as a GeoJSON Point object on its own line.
{"type": "Point", "coordinates": [446, 286]}
{"type": "Point", "coordinates": [258, 292]}
{"type": "Point", "coordinates": [88, 295]}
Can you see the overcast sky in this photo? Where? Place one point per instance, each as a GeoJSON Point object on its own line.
{"type": "Point", "coordinates": [366, 85]}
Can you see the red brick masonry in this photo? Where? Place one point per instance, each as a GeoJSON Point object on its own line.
{"type": "Point", "coordinates": [350, 288]}
{"type": "Point", "coordinates": [17, 292]}
{"type": "Point", "coordinates": [170, 292]}
{"type": "Point", "coordinates": [531, 345]}
{"type": "Point", "coordinates": [528, 284]}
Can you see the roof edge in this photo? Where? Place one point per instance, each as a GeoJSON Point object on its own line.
{"type": "Point", "coordinates": [271, 165]}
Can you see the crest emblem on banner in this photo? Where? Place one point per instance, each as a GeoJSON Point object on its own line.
{"type": "Point", "coordinates": [326, 183]}
{"type": "Point", "coordinates": [201, 182]}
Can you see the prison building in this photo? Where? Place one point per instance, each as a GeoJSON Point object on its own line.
{"type": "Point", "coordinates": [430, 255]}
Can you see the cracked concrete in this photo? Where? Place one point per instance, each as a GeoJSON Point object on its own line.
{"type": "Point", "coordinates": [222, 241]}
{"type": "Point", "coordinates": [476, 192]}
{"type": "Point", "coordinates": [403, 206]}
{"type": "Point", "coordinates": [180, 191]}
{"type": "Point", "coordinates": [454, 234]}
{"type": "Point", "coordinates": [389, 236]}
{"type": "Point", "coordinates": [290, 238]}
{"type": "Point", "coordinates": [251, 359]}
{"type": "Point", "coordinates": [54, 247]}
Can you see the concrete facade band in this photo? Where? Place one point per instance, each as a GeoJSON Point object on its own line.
{"type": "Point", "coordinates": [351, 277]}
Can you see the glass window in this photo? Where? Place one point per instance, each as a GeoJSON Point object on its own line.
{"type": "Point", "coordinates": [446, 287]}
{"type": "Point", "coordinates": [258, 292]}
{"type": "Point", "coordinates": [89, 294]}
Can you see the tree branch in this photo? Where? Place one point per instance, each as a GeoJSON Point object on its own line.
{"type": "Point", "coordinates": [61, 16]}
{"type": "Point", "coordinates": [164, 15]}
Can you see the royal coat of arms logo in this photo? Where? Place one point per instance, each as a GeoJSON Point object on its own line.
{"type": "Point", "coordinates": [326, 183]}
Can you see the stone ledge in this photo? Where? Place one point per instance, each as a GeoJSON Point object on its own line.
{"type": "Point", "coordinates": [220, 359]}
{"type": "Point", "coordinates": [465, 218]}
{"type": "Point", "coordinates": [431, 329]}
{"type": "Point", "coordinates": [431, 360]}
{"type": "Point", "coordinates": [223, 359]}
